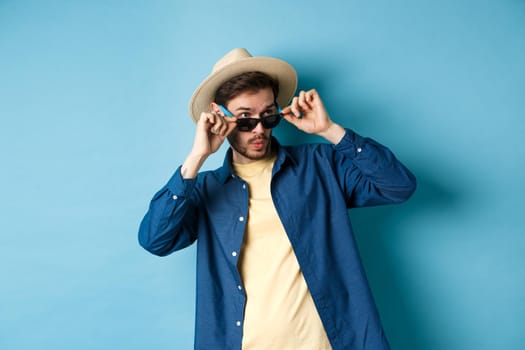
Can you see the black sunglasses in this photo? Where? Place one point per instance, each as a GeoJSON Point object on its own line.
{"type": "Point", "coordinates": [248, 124]}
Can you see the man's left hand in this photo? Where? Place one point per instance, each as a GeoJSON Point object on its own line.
{"type": "Point", "coordinates": [307, 113]}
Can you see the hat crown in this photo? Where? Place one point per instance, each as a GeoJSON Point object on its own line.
{"type": "Point", "coordinates": [239, 61]}
{"type": "Point", "coordinates": [231, 57]}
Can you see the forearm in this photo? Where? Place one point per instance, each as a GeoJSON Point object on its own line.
{"type": "Point", "coordinates": [192, 164]}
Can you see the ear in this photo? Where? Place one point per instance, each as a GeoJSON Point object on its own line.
{"type": "Point", "coordinates": [221, 110]}
{"type": "Point", "coordinates": [215, 108]}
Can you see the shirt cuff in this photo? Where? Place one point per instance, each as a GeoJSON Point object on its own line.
{"type": "Point", "coordinates": [351, 144]}
{"type": "Point", "coordinates": [179, 186]}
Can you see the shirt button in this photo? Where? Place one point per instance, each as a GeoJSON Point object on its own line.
{"type": "Point", "coordinates": [175, 197]}
{"type": "Point", "coordinates": [241, 218]}
{"type": "Point", "coordinates": [234, 253]}
{"type": "Point", "coordinates": [243, 186]}
{"type": "Point", "coordinates": [359, 149]}
{"type": "Point", "coordinates": [238, 323]}
{"type": "Point", "coordinates": [239, 287]}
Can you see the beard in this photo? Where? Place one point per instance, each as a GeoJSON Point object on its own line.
{"type": "Point", "coordinates": [242, 147]}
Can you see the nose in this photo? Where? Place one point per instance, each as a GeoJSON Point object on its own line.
{"type": "Point", "coordinates": [258, 129]}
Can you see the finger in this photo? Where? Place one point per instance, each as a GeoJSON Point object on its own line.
{"type": "Point", "coordinates": [217, 128]}
{"type": "Point", "coordinates": [287, 110]}
{"type": "Point", "coordinates": [227, 125]}
{"type": "Point", "coordinates": [219, 124]}
{"type": "Point", "coordinates": [295, 106]}
{"type": "Point", "coordinates": [211, 118]}
{"type": "Point", "coordinates": [310, 95]}
{"type": "Point", "coordinates": [204, 121]}
{"type": "Point", "coordinates": [315, 99]}
{"type": "Point", "coordinates": [311, 98]}
{"type": "Point", "coordinates": [223, 125]}
{"type": "Point", "coordinates": [210, 123]}
{"type": "Point", "coordinates": [290, 118]}
{"type": "Point", "coordinates": [203, 118]}
{"type": "Point", "coordinates": [303, 102]}
{"type": "Point", "coordinates": [232, 119]}
{"type": "Point", "coordinates": [231, 124]}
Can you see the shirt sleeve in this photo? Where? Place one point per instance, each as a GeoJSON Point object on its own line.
{"type": "Point", "coordinates": [169, 223]}
{"type": "Point", "coordinates": [369, 172]}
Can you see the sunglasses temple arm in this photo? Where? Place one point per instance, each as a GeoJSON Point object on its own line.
{"type": "Point", "coordinates": [280, 111]}
{"type": "Point", "coordinates": [226, 112]}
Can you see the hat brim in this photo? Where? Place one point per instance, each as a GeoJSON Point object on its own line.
{"type": "Point", "coordinates": [276, 68]}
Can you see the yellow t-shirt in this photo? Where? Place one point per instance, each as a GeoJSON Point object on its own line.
{"type": "Point", "coordinates": [280, 313]}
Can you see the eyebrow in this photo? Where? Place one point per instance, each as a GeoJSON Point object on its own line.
{"type": "Point", "coordinates": [241, 108]}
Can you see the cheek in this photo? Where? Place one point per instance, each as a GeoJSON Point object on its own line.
{"type": "Point", "coordinates": [268, 133]}
{"type": "Point", "coordinates": [233, 137]}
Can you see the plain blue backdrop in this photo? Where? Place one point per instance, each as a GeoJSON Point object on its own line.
{"type": "Point", "coordinates": [94, 119]}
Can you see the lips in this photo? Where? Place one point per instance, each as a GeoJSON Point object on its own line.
{"type": "Point", "coordinates": [258, 143]}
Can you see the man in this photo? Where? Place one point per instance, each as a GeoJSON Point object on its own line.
{"type": "Point", "coordinates": [277, 265]}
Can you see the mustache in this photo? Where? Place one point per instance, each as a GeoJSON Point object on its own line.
{"type": "Point", "coordinates": [258, 138]}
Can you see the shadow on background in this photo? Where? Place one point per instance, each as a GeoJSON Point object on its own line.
{"type": "Point", "coordinates": [380, 232]}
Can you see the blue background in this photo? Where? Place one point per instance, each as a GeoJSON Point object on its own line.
{"type": "Point", "coordinates": [93, 107]}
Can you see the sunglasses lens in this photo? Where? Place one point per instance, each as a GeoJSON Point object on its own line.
{"type": "Point", "coordinates": [271, 121]}
{"type": "Point", "coordinates": [247, 124]}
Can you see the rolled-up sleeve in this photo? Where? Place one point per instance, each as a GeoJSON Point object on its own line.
{"type": "Point", "coordinates": [369, 172]}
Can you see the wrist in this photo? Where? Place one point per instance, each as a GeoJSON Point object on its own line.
{"type": "Point", "coordinates": [334, 133]}
{"type": "Point", "coordinates": [198, 155]}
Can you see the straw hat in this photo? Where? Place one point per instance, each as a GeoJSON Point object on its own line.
{"type": "Point", "coordinates": [240, 61]}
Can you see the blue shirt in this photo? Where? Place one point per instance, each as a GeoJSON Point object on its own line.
{"type": "Point", "coordinates": [312, 187]}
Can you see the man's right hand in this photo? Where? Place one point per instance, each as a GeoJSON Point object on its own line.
{"type": "Point", "coordinates": [212, 130]}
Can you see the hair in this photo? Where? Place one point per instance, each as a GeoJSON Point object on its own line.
{"type": "Point", "coordinates": [245, 82]}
